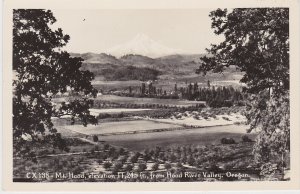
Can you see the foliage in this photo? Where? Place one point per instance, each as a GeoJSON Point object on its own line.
{"type": "Point", "coordinates": [155, 166]}
{"type": "Point", "coordinates": [128, 167]}
{"type": "Point", "coordinates": [167, 166]}
{"type": "Point", "coordinates": [142, 167]}
{"type": "Point", "coordinates": [227, 141]}
{"type": "Point", "coordinates": [117, 166]}
{"type": "Point", "coordinates": [272, 117]}
{"type": "Point", "coordinates": [125, 73]}
{"type": "Point", "coordinates": [107, 165]}
{"type": "Point", "coordinates": [257, 43]}
{"type": "Point", "coordinates": [245, 138]}
{"type": "Point", "coordinates": [41, 70]}
{"type": "Point", "coordinates": [95, 138]}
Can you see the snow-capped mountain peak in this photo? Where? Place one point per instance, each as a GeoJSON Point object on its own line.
{"type": "Point", "coordinates": [143, 45]}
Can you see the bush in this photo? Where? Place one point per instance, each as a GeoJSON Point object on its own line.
{"type": "Point", "coordinates": [128, 167]}
{"type": "Point", "coordinates": [226, 118]}
{"type": "Point", "coordinates": [107, 165]}
{"type": "Point", "coordinates": [155, 166]}
{"type": "Point", "coordinates": [179, 165]}
{"type": "Point", "coordinates": [142, 167]}
{"type": "Point", "coordinates": [95, 138]}
{"type": "Point", "coordinates": [117, 166]}
{"type": "Point", "coordinates": [147, 157]}
{"type": "Point", "coordinates": [96, 148]}
{"type": "Point", "coordinates": [168, 166]}
{"type": "Point", "coordinates": [134, 159]}
{"type": "Point", "coordinates": [122, 159]}
{"type": "Point", "coordinates": [77, 170]}
{"type": "Point", "coordinates": [245, 138]}
{"type": "Point", "coordinates": [106, 146]}
{"type": "Point", "coordinates": [103, 116]}
{"type": "Point", "coordinates": [227, 141]}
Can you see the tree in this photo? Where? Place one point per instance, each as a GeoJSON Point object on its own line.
{"type": "Point", "coordinates": [142, 167]}
{"type": "Point", "coordinates": [155, 166]}
{"type": "Point", "coordinates": [95, 138]}
{"type": "Point", "coordinates": [168, 166]}
{"type": "Point", "coordinates": [257, 43]}
{"type": "Point", "coordinates": [42, 70]}
{"type": "Point", "coordinates": [107, 165]}
{"type": "Point", "coordinates": [128, 167]}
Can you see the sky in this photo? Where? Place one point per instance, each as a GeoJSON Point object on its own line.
{"type": "Point", "coordinates": [99, 30]}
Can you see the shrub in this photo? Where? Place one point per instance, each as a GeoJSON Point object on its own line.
{"type": "Point", "coordinates": [121, 151]}
{"type": "Point", "coordinates": [134, 159]}
{"type": "Point", "coordinates": [104, 116]}
{"type": "Point", "coordinates": [107, 165]}
{"type": "Point", "coordinates": [196, 117]}
{"type": "Point", "coordinates": [95, 138]}
{"type": "Point", "coordinates": [128, 167]}
{"type": "Point", "coordinates": [191, 161]}
{"type": "Point", "coordinates": [245, 138]}
{"type": "Point", "coordinates": [122, 159]}
{"type": "Point", "coordinates": [147, 157]}
{"type": "Point", "coordinates": [168, 166]}
{"type": "Point", "coordinates": [226, 118]}
{"type": "Point", "coordinates": [142, 167]}
{"type": "Point", "coordinates": [179, 165]}
{"type": "Point", "coordinates": [77, 170]}
{"type": "Point", "coordinates": [106, 146]}
{"type": "Point", "coordinates": [117, 166]}
{"type": "Point", "coordinates": [227, 141]}
{"type": "Point", "coordinates": [155, 166]}
{"type": "Point", "coordinates": [112, 151]}
{"type": "Point", "coordinates": [96, 148]}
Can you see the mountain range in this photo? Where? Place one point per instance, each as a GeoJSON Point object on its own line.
{"type": "Point", "coordinates": [171, 63]}
{"type": "Point", "coordinates": [143, 54]}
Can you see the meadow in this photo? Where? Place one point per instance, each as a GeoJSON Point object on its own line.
{"type": "Point", "coordinates": [120, 127]}
{"type": "Point", "coordinates": [145, 101]}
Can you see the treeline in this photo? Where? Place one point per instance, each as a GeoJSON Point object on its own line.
{"type": "Point", "coordinates": [108, 104]}
{"type": "Point", "coordinates": [125, 73]}
{"type": "Point", "coordinates": [213, 96]}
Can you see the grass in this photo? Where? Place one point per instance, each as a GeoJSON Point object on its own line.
{"type": "Point", "coordinates": [200, 136]}
{"type": "Point", "coordinates": [141, 101]}
{"type": "Point", "coordinates": [188, 158]}
{"type": "Point", "coordinates": [119, 127]}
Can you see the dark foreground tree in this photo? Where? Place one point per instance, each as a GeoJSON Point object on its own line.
{"type": "Point", "coordinates": [42, 70]}
{"type": "Point", "coordinates": [257, 43]}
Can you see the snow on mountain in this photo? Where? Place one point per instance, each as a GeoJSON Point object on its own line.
{"type": "Point", "coordinates": [142, 45]}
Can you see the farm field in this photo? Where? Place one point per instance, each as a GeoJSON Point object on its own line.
{"type": "Point", "coordinates": [119, 127]}
{"type": "Point", "coordinates": [95, 112]}
{"type": "Point", "coordinates": [197, 136]}
{"type": "Point", "coordinates": [117, 85]}
{"type": "Point", "coordinates": [167, 81]}
{"type": "Point", "coordinates": [196, 120]}
{"type": "Point", "coordinates": [133, 100]}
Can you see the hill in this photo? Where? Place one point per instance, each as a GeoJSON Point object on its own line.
{"type": "Point", "coordinates": [172, 67]}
